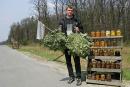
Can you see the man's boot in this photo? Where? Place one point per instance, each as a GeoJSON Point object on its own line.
{"type": "Point", "coordinates": [71, 79]}
{"type": "Point", "coordinates": [79, 82]}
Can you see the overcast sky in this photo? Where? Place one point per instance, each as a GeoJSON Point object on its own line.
{"type": "Point", "coordinates": [14, 11]}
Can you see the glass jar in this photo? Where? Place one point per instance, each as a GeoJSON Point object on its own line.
{"type": "Point", "coordinates": [93, 34]}
{"type": "Point", "coordinates": [103, 33]}
{"type": "Point", "coordinates": [94, 63]}
{"type": "Point", "coordinates": [97, 77]}
{"type": "Point", "coordinates": [107, 32]}
{"type": "Point", "coordinates": [98, 34]}
{"type": "Point", "coordinates": [108, 43]}
{"type": "Point", "coordinates": [101, 52]}
{"type": "Point", "coordinates": [117, 65]}
{"type": "Point", "coordinates": [118, 32]}
{"type": "Point", "coordinates": [96, 53]}
{"type": "Point", "coordinates": [105, 43]}
{"type": "Point", "coordinates": [102, 43]}
{"type": "Point", "coordinates": [113, 33]}
{"type": "Point", "coordinates": [108, 65]}
{"type": "Point", "coordinates": [114, 42]}
{"type": "Point", "coordinates": [111, 52]}
{"type": "Point", "coordinates": [105, 52]}
{"type": "Point", "coordinates": [97, 43]}
{"type": "Point", "coordinates": [103, 64]}
{"type": "Point", "coordinates": [108, 77]}
{"type": "Point", "coordinates": [112, 65]}
{"type": "Point", "coordinates": [93, 76]}
{"type": "Point", "coordinates": [102, 77]}
{"type": "Point", "coordinates": [98, 64]}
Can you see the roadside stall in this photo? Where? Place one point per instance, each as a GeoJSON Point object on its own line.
{"type": "Point", "coordinates": [105, 60]}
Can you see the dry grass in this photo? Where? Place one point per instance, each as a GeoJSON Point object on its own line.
{"type": "Point", "coordinates": [58, 56]}
{"type": "Point", "coordinates": [126, 57]}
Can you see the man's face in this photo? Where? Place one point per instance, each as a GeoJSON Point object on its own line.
{"type": "Point", "coordinates": [69, 12]}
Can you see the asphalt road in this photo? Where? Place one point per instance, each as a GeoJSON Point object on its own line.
{"type": "Point", "coordinates": [19, 70]}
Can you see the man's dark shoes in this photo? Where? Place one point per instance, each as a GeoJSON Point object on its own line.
{"type": "Point", "coordinates": [79, 82]}
{"type": "Point", "coordinates": [71, 79]}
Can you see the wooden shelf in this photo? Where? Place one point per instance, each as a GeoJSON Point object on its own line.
{"type": "Point", "coordinates": [108, 58]}
{"type": "Point", "coordinates": [112, 47]}
{"type": "Point", "coordinates": [105, 70]}
{"type": "Point", "coordinates": [112, 37]}
{"type": "Point", "coordinates": [112, 83]}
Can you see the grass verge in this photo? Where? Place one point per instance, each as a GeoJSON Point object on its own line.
{"type": "Point", "coordinates": [58, 56]}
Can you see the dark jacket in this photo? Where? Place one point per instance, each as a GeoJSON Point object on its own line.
{"type": "Point", "coordinates": [75, 23]}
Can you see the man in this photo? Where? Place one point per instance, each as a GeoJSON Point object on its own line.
{"type": "Point", "coordinates": [69, 24]}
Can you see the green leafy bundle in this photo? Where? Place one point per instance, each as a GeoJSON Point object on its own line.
{"type": "Point", "coordinates": [55, 40]}
{"type": "Point", "coordinates": [79, 44]}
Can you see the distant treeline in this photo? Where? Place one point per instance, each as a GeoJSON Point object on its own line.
{"type": "Point", "coordinates": [94, 15]}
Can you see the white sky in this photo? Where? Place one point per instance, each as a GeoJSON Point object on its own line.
{"type": "Point", "coordinates": [14, 11]}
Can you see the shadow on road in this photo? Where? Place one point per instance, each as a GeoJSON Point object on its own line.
{"type": "Point", "coordinates": [83, 77]}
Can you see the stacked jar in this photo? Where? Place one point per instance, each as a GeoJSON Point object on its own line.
{"type": "Point", "coordinates": [104, 64]}
{"type": "Point", "coordinates": [100, 76]}
{"type": "Point", "coordinates": [103, 33]}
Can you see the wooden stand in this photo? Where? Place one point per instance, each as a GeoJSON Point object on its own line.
{"type": "Point", "coordinates": [112, 71]}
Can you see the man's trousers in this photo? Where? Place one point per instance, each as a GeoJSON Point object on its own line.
{"type": "Point", "coordinates": [69, 64]}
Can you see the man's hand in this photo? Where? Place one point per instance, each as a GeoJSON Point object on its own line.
{"type": "Point", "coordinates": [76, 29]}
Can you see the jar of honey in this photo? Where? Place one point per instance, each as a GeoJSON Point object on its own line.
{"type": "Point", "coordinates": [101, 52]}
{"type": "Point", "coordinates": [97, 77]}
{"type": "Point", "coordinates": [97, 43]}
{"type": "Point", "coordinates": [93, 76]}
{"type": "Point", "coordinates": [108, 52]}
{"type": "Point", "coordinates": [107, 33]}
{"type": "Point", "coordinates": [111, 52]}
{"type": "Point", "coordinates": [108, 77]}
{"type": "Point", "coordinates": [103, 64]}
{"type": "Point", "coordinates": [108, 43]}
{"type": "Point", "coordinates": [102, 43]}
{"type": "Point", "coordinates": [105, 43]}
{"type": "Point", "coordinates": [113, 33]}
{"type": "Point", "coordinates": [114, 42]}
{"type": "Point", "coordinates": [98, 64]}
{"type": "Point", "coordinates": [112, 65]}
{"type": "Point", "coordinates": [118, 32]}
{"type": "Point", "coordinates": [103, 77]}
{"type": "Point", "coordinates": [117, 65]}
{"type": "Point", "coordinates": [105, 52]}
{"type": "Point", "coordinates": [98, 34]}
{"type": "Point", "coordinates": [96, 52]}
{"type": "Point", "coordinates": [103, 33]}
{"type": "Point", "coordinates": [108, 65]}
{"type": "Point", "coordinates": [94, 63]}
{"type": "Point", "coordinates": [93, 34]}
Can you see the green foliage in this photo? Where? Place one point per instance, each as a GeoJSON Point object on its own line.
{"type": "Point", "coordinates": [79, 44]}
{"type": "Point", "coordinates": [55, 41]}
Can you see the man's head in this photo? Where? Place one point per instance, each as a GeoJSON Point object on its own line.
{"type": "Point", "coordinates": [69, 11]}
